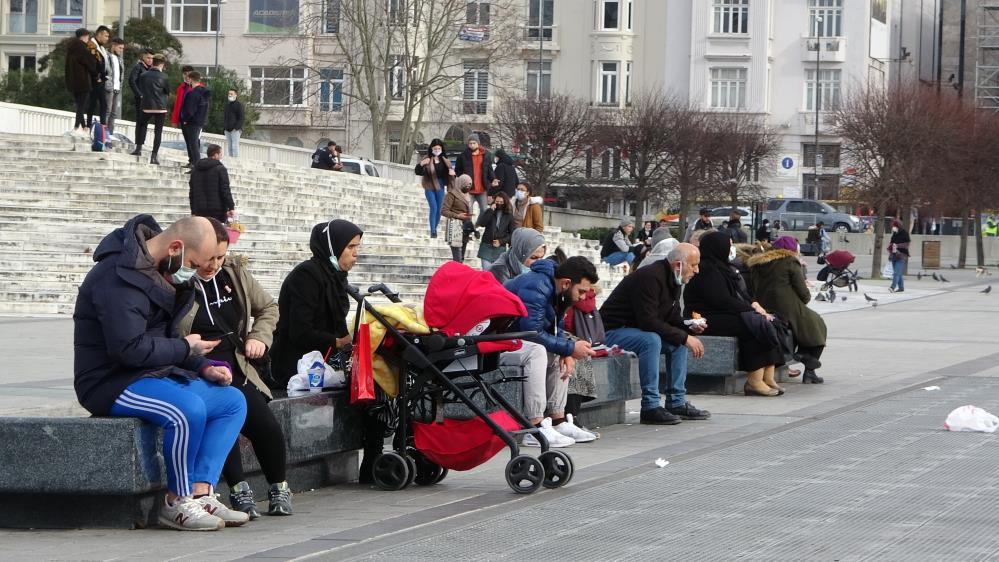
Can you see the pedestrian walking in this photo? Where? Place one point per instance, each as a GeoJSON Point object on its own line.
{"type": "Point", "coordinates": [436, 176]}
{"type": "Point", "coordinates": [209, 192]}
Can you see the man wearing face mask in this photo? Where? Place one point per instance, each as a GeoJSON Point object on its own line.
{"type": "Point", "coordinates": [547, 292]}
{"type": "Point", "coordinates": [643, 315]}
{"type": "Point", "coordinates": [232, 123]}
{"type": "Point", "coordinates": [130, 361]}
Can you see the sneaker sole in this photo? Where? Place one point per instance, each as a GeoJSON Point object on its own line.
{"type": "Point", "coordinates": [650, 422]}
{"type": "Point", "coordinates": [171, 525]}
{"type": "Point", "coordinates": [235, 523]}
{"type": "Point", "coordinates": [550, 445]}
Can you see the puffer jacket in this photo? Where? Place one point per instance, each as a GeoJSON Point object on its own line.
{"type": "Point", "coordinates": [125, 324]}
{"type": "Point", "coordinates": [536, 290]}
{"type": "Point", "coordinates": [209, 190]}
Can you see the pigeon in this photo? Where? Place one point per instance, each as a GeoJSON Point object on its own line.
{"type": "Point", "coordinates": [987, 290]}
{"type": "Point", "coordinates": [919, 276]}
{"type": "Point", "coordinates": [868, 298]}
{"type": "Point", "coordinates": [952, 266]}
{"type": "Point", "coordinates": [944, 279]}
{"type": "Point", "coordinates": [832, 295]}
{"type": "Point", "coordinates": [820, 297]}
{"type": "Point", "coordinates": [845, 239]}
{"type": "Point", "coordinates": [935, 278]}
{"type": "Point", "coordinates": [843, 298]}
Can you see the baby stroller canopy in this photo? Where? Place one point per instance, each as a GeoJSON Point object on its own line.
{"type": "Point", "coordinates": [839, 259]}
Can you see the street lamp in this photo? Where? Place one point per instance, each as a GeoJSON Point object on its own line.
{"type": "Point", "coordinates": [218, 29]}
{"type": "Point", "coordinates": [818, 100]}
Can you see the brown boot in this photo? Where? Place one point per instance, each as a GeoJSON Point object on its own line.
{"type": "Point", "coordinates": [768, 379]}
{"type": "Point", "coordinates": [755, 385]}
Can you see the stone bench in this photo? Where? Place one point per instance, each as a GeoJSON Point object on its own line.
{"type": "Point", "coordinates": [717, 371]}
{"type": "Point", "coordinates": [108, 472]}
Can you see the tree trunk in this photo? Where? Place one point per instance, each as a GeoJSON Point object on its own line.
{"type": "Point", "coordinates": [377, 137]}
{"type": "Point", "coordinates": [979, 243]}
{"type": "Point", "coordinates": [962, 255]}
{"type": "Point", "coordinates": [879, 240]}
{"type": "Point", "coordinates": [639, 209]}
{"type": "Point", "coordinates": [682, 219]}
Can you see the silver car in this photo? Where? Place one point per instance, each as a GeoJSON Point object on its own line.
{"type": "Point", "coordinates": [799, 214]}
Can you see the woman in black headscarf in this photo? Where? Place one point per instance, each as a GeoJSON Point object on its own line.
{"type": "Point", "coordinates": [717, 294]}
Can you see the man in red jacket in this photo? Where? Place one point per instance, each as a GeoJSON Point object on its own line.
{"type": "Point", "coordinates": [183, 89]}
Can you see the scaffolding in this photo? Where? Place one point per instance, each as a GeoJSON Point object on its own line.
{"type": "Point", "coordinates": [987, 56]}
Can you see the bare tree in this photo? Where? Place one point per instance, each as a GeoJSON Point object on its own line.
{"type": "Point", "coordinates": [552, 132]}
{"type": "Point", "coordinates": [695, 153]}
{"type": "Point", "coordinates": [746, 146]}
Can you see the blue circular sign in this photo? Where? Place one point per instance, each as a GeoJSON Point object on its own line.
{"type": "Point", "coordinates": [787, 163]}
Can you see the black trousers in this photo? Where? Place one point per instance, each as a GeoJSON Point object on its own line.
{"type": "Point", "coordinates": [81, 108]}
{"type": "Point", "coordinates": [140, 129]}
{"type": "Point", "coordinates": [98, 99]}
{"type": "Point", "coordinates": [815, 351]}
{"type": "Point", "coordinates": [264, 433]}
{"type": "Point", "coordinates": [192, 134]}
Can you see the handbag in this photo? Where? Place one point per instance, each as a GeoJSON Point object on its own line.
{"type": "Point", "coordinates": [761, 328]}
{"type": "Point", "coordinates": [784, 335]}
{"type": "Point", "coordinates": [362, 380]}
{"type": "Point", "coordinates": [453, 232]}
{"type": "Point", "coordinates": [821, 260]}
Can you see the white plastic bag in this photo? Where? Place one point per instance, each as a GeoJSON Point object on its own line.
{"type": "Point", "coordinates": [970, 418]}
{"type": "Point", "coordinates": [331, 377]}
{"type": "Point", "coordinates": [887, 270]}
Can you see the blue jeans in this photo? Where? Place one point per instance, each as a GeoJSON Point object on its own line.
{"type": "Point", "coordinates": [201, 421]}
{"type": "Point", "coordinates": [435, 199]}
{"type": "Point", "coordinates": [649, 346]}
{"type": "Point", "coordinates": [619, 257]}
{"type": "Point", "coordinates": [232, 142]}
{"type": "Point", "coordinates": [898, 267]}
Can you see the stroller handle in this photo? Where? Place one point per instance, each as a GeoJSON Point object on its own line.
{"type": "Point", "coordinates": [382, 288]}
{"type": "Point", "coordinates": [438, 341]}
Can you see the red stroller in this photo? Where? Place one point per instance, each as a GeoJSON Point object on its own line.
{"type": "Point", "coordinates": [837, 272]}
{"type": "Point", "coordinates": [468, 311]}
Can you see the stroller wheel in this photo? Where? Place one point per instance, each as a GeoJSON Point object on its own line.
{"type": "Point", "coordinates": [441, 476]}
{"type": "Point", "coordinates": [558, 468]}
{"type": "Point", "coordinates": [412, 470]}
{"type": "Point", "coordinates": [428, 472]}
{"type": "Point", "coordinates": [524, 474]}
{"type": "Point", "coordinates": [390, 471]}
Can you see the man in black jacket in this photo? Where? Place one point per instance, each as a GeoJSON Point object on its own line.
{"type": "Point", "coordinates": [144, 63]}
{"type": "Point", "coordinates": [232, 123]}
{"type": "Point", "coordinates": [129, 360]}
{"type": "Point", "coordinates": [193, 116]}
{"type": "Point", "coordinates": [326, 158]}
{"type": "Point", "coordinates": [155, 93]}
{"type": "Point", "coordinates": [643, 315]}
{"type": "Point", "coordinates": [209, 194]}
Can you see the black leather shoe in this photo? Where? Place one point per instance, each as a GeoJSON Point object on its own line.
{"type": "Point", "coordinates": [136, 152]}
{"type": "Point", "coordinates": [808, 361]}
{"type": "Point", "coordinates": [811, 378]}
{"type": "Point", "coordinates": [658, 416]}
{"type": "Point", "coordinates": [689, 412]}
{"type": "Point", "coordinates": [153, 160]}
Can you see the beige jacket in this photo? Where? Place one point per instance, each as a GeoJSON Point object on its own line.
{"type": "Point", "coordinates": [257, 305]}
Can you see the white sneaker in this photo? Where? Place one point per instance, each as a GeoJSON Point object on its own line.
{"type": "Point", "coordinates": [189, 515]}
{"type": "Point", "coordinates": [570, 429]}
{"type": "Point", "coordinates": [555, 439]}
{"type": "Point", "coordinates": [231, 517]}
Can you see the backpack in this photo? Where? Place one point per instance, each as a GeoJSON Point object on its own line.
{"type": "Point", "coordinates": [588, 326]}
{"type": "Point", "coordinates": [99, 134]}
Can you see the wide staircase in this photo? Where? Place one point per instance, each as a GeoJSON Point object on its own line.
{"type": "Point", "coordinates": [58, 200]}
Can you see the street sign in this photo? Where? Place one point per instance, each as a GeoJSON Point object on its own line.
{"type": "Point", "coordinates": [787, 166]}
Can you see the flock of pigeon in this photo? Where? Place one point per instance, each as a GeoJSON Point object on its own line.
{"type": "Point", "coordinates": [979, 272]}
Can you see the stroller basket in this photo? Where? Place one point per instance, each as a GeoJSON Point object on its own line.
{"type": "Point", "coordinates": [461, 444]}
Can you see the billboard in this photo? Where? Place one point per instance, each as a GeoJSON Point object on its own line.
{"type": "Point", "coordinates": [273, 16]}
{"type": "Point", "coordinates": [880, 38]}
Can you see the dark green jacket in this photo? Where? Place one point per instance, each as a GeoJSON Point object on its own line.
{"type": "Point", "coordinates": [780, 288]}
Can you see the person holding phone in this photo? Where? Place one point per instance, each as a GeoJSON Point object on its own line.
{"type": "Point", "coordinates": [231, 307]}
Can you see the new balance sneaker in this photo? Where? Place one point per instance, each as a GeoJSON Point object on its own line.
{"type": "Point", "coordinates": [231, 517]}
{"type": "Point", "coordinates": [280, 496]}
{"type": "Point", "coordinates": [570, 429]}
{"type": "Point", "coordinates": [241, 499]}
{"type": "Point", "coordinates": [555, 439]}
{"type": "Point", "coordinates": [658, 416]}
{"type": "Point", "coordinates": [188, 515]}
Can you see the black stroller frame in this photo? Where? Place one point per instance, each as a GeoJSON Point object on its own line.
{"type": "Point", "coordinates": [421, 380]}
{"type": "Point", "coordinates": [839, 277]}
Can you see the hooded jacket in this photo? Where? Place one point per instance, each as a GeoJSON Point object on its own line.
{"type": "Point", "coordinates": [81, 68]}
{"type": "Point", "coordinates": [456, 203]}
{"type": "Point", "coordinates": [536, 290]}
{"type": "Point", "coordinates": [506, 173]}
{"type": "Point", "coordinates": [178, 103]}
{"type": "Point", "coordinates": [511, 262]}
{"type": "Point", "coordinates": [313, 303]}
{"type": "Point", "coordinates": [256, 304]}
{"type": "Point", "coordinates": [649, 300]}
{"type": "Point", "coordinates": [209, 193]}
{"type": "Point", "coordinates": [194, 111]}
{"type": "Point", "coordinates": [125, 321]}
{"type": "Point", "coordinates": [780, 288]}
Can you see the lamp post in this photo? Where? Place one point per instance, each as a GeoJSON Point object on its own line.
{"type": "Point", "coordinates": [218, 29]}
{"type": "Point", "coordinates": [818, 101]}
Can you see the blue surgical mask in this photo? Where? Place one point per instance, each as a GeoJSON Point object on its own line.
{"type": "Point", "coordinates": [524, 268]}
{"type": "Point", "coordinates": [184, 274]}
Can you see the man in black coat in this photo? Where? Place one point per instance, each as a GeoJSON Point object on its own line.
{"type": "Point", "coordinates": [232, 123]}
{"type": "Point", "coordinates": [643, 315]}
{"type": "Point", "coordinates": [209, 194]}
{"type": "Point", "coordinates": [80, 72]}
{"type": "Point", "coordinates": [144, 63]}
{"type": "Point", "coordinates": [155, 93]}
{"type": "Point", "coordinates": [193, 116]}
{"type": "Point", "coordinates": [326, 158]}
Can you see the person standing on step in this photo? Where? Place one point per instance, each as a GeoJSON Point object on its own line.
{"type": "Point", "coordinates": [153, 86]}
{"type": "Point", "coordinates": [193, 116]}
{"type": "Point", "coordinates": [506, 175]}
{"type": "Point", "coordinates": [234, 309]}
{"type": "Point", "coordinates": [130, 361]}
{"type": "Point", "coordinates": [498, 228]}
{"type": "Point", "coordinates": [476, 163]}
{"type": "Point", "coordinates": [144, 63]}
{"type": "Point", "coordinates": [232, 123]}
{"type": "Point", "coordinates": [99, 90]}
{"type": "Point", "coordinates": [182, 89]}
{"type": "Point", "coordinates": [115, 80]}
{"type": "Point", "coordinates": [457, 209]}
{"type": "Point", "coordinates": [527, 209]}
{"type": "Point", "coordinates": [209, 192]}
{"type": "Point", "coordinates": [81, 72]}
{"type": "Point", "coordinates": [436, 176]}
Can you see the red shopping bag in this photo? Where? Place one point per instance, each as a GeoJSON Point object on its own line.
{"type": "Point", "coordinates": [362, 381]}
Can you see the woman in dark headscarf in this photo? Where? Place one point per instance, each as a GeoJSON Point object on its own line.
{"type": "Point", "coordinates": [526, 246]}
{"type": "Point", "coordinates": [717, 294]}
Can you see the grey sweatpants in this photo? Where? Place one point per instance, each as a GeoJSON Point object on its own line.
{"type": "Point", "coordinates": [544, 389]}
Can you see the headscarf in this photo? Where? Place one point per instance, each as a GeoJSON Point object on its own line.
{"type": "Point", "coordinates": [714, 255]}
{"type": "Point", "coordinates": [463, 180]}
{"type": "Point", "coordinates": [659, 234]}
{"type": "Point", "coordinates": [330, 239]}
{"type": "Point", "coordinates": [523, 242]}
{"type": "Point", "coordinates": [785, 243]}
{"type": "Point", "coordinates": [659, 251]}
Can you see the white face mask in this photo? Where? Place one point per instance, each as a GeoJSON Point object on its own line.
{"type": "Point", "coordinates": [334, 260]}
{"type": "Point", "coordinates": [731, 253]}
{"type": "Point", "coordinates": [232, 98]}
{"type": "Point", "coordinates": [436, 152]}
{"type": "Point", "coordinates": [894, 230]}
{"type": "Point", "coordinates": [184, 274]}
{"type": "Point", "coordinates": [519, 195]}
{"type": "Point", "coordinates": [678, 275]}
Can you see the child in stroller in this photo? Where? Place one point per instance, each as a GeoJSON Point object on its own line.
{"type": "Point", "coordinates": [466, 313]}
{"type": "Point", "coordinates": [837, 272]}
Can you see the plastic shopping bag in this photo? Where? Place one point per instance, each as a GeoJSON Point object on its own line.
{"type": "Point", "coordinates": [362, 380]}
{"type": "Point", "coordinates": [887, 270]}
{"type": "Point", "coordinates": [970, 418]}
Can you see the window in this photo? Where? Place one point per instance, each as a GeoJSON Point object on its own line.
{"type": "Point", "coordinates": [155, 9]}
{"type": "Point", "coordinates": [477, 13]}
{"type": "Point", "coordinates": [539, 88]}
{"type": "Point", "coordinates": [828, 189]}
{"type": "Point", "coordinates": [331, 90]}
{"type": "Point", "coordinates": [193, 16]}
{"type": "Point", "coordinates": [331, 19]}
{"type": "Point", "coordinates": [829, 89]}
{"type": "Point", "coordinates": [67, 7]}
{"type": "Point", "coordinates": [476, 87]}
{"type": "Point", "coordinates": [540, 11]}
{"type": "Point", "coordinates": [608, 83]}
{"type": "Point", "coordinates": [627, 83]}
{"type": "Point", "coordinates": [21, 63]}
{"type": "Point", "coordinates": [397, 77]}
{"type": "Point", "coordinates": [608, 15]}
{"type": "Point", "coordinates": [23, 16]}
{"type": "Point", "coordinates": [204, 71]}
{"type": "Point", "coordinates": [396, 12]}
{"type": "Point", "coordinates": [630, 10]}
{"type": "Point", "coordinates": [728, 88]}
{"type": "Point", "coordinates": [831, 12]}
{"type": "Point", "coordinates": [277, 86]}
{"type": "Point", "coordinates": [829, 154]}
{"type": "Point", "coordinates": [731, 16]}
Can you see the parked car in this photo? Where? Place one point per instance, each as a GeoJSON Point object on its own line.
{"type": "Point", "coordinates": [359, 166]}
{"type": "Point", "coordinates": [799, 214]}
{"type": "Point", "coordinates": [721, 214]}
